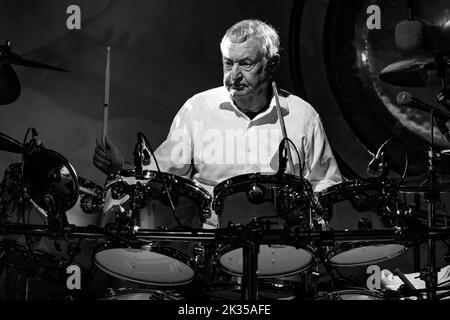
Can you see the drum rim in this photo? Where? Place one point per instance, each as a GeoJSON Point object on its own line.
{"type": "Point", "coordinates": [259, 176]}
{"type": "Point", "coordinates": [220, 190]}
{"type": "Point", "coordinates": [347, 246]}
{"type": "Point", "coordinates": [125, 291]}
{"type": "Point", "coordinates": [230, 248]}
{"type": "Point", "coordinates": [187, 261]}
{"type": "Point", "coordinates": [346, 186]}
{"type": "Point", "coordinates": [362, 291]}
{"type": "Point", "coordinates": [153, 173]}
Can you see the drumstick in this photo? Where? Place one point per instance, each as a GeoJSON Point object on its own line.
{"type": "Point", "coordinates": [282, 124]}
{"type": "Point", "coordinates": [106, 100]}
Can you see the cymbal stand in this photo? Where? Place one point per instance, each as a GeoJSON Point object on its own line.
{"type": "Point", "coordinates": [250, 252]}
{"type": "Point", "coordinates": [429, 275]}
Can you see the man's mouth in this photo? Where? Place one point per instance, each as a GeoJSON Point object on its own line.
{"type": "Point", "coordinates": [237, 86]}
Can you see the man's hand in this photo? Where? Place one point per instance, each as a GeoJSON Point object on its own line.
{"type": "Point", "coordinates": [107, 157]}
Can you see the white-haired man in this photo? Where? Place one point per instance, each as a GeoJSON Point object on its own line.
{"type": "Point", "coordinates": [234, 129]}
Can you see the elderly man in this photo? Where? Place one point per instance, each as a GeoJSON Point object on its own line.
{"type": "Point", "coordinates": [234, 129]}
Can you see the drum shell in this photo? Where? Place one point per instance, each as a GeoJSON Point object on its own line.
{"type": "Point", "coordinates": [157, 213]}
{"type": "Point", "coordinates": [236, 205]}
{"type": "Point", "coordinates": [368, 212]}
{"type": "Point", "coordinates": [142, 203]}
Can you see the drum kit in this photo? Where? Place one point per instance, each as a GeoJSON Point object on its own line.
{"type": "Point", "coordinates": [145, 228]}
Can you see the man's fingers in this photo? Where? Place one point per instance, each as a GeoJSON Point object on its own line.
{"type": "Point", "coordinates": [102, 153]}
{"type": "Point", "coordinates": [102, 161]}
{"type": "Point", "coordinates": [109, 144]}
{"type": "Point", "coordinates": [100, 144]}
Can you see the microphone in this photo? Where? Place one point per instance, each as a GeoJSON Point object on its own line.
{"type": "Point", "coordinates": [377, 164]}
{"type": "Point", "coordinates": [282, 157]}
{"type": "Point", "coordinates": [34, 145]}
{"type": "Point", "coordinates": [146, 155]}
{"type": "Point", "coordinates": [404, 98]}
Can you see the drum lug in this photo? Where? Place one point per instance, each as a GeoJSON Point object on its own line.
{"type": "Point", "coordinates": [199, 254]}
{"type": "Point", "coordinates": [150, 246]}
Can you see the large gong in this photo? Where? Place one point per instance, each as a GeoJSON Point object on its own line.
{"type": "Point", "coordinates": [354, 56]}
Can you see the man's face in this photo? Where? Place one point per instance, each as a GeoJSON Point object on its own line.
{"type": "Point", "coordinates": [243, 69]}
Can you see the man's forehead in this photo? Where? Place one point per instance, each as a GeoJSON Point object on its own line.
{"type": "Point", "coordinates": [249, 48]}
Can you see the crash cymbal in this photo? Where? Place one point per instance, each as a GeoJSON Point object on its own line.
{"type": "Point", "coordinates": [9, 144]}
{"type": "Point", "coordinates": [9, 57]}
{"type": "Point", "coordinates": [421, 184]}
{"type": "Point", "coordinates": [9, 84]}
{"type": "Point", "coordinates": [418, 71]}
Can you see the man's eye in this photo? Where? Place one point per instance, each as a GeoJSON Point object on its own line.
{"type": "Point", "coordinates": [246, 65]}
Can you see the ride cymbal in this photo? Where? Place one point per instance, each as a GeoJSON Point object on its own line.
{"type": "Point", "coordinates": [418, 71]}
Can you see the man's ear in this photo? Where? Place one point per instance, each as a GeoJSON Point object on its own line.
{"type": "Point", "coordinates": [272, 65]}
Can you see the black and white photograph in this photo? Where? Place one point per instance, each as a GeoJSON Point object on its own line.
{"type": "Point", "coordinates": [236, 158]}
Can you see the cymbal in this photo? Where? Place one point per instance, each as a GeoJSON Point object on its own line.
{"type": "Point", "coordinates": [9, 144]}
{"type": "Point", "coordinates": [9, 84]}
{"type": "Point", "coordinates": [9, 57]}
{"type": "Point", "coordinates": [418, 71]}
{"type": "Point", "coordinates": [421, 184]}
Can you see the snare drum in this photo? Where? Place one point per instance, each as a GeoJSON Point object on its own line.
{"type": "Point", "coordinates": [372, 201]}
{"type": "Point", "coordinates": [244, 198]}
{"type": "Point", "coordinates": [161, 263]}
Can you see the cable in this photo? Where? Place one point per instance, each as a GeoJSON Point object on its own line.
{"type": "Point", "coordinates": [172, 207]}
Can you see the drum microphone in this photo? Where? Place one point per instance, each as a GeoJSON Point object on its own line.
{"type": "Point", "coordinates": [377, 163]}
{"type": "Point", "coordinates": [34, 145]}
{"type": "Point", "coordinates": [282, 157]}
{"type": "Point", "coordinates": [141, 152]}
{"type": "Point", "coordinates": [404, 98]}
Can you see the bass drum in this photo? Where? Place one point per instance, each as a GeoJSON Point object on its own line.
{"type": "Point", "coordinates": [363, 204]}
{"type": "Point", "coordinates": [142, 294]}
{"type": "Point", "coordinates": [262, 198]}
{"type": "Point", "coordinates": [159, 263]}
{"type": "Point", "coordinates": [352, 295]}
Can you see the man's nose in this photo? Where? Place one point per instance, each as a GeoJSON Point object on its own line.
{"type": "Point", "coordinates": [236, 72]}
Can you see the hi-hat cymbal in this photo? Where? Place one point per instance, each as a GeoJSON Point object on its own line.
{"type": "Point", "coordinates": [9, 144]}
{"type": "Point", "coordinates": [421, 184]}
{"type": "Point", "coordinates": [418, 71]}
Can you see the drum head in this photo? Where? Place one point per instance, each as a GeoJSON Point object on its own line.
{"type": "Point", "coordinates": [163, 267]}
{"type": "Point", "coordinates": [358, 254]}
{"type": "Point", "coordinates": [273, 261]}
